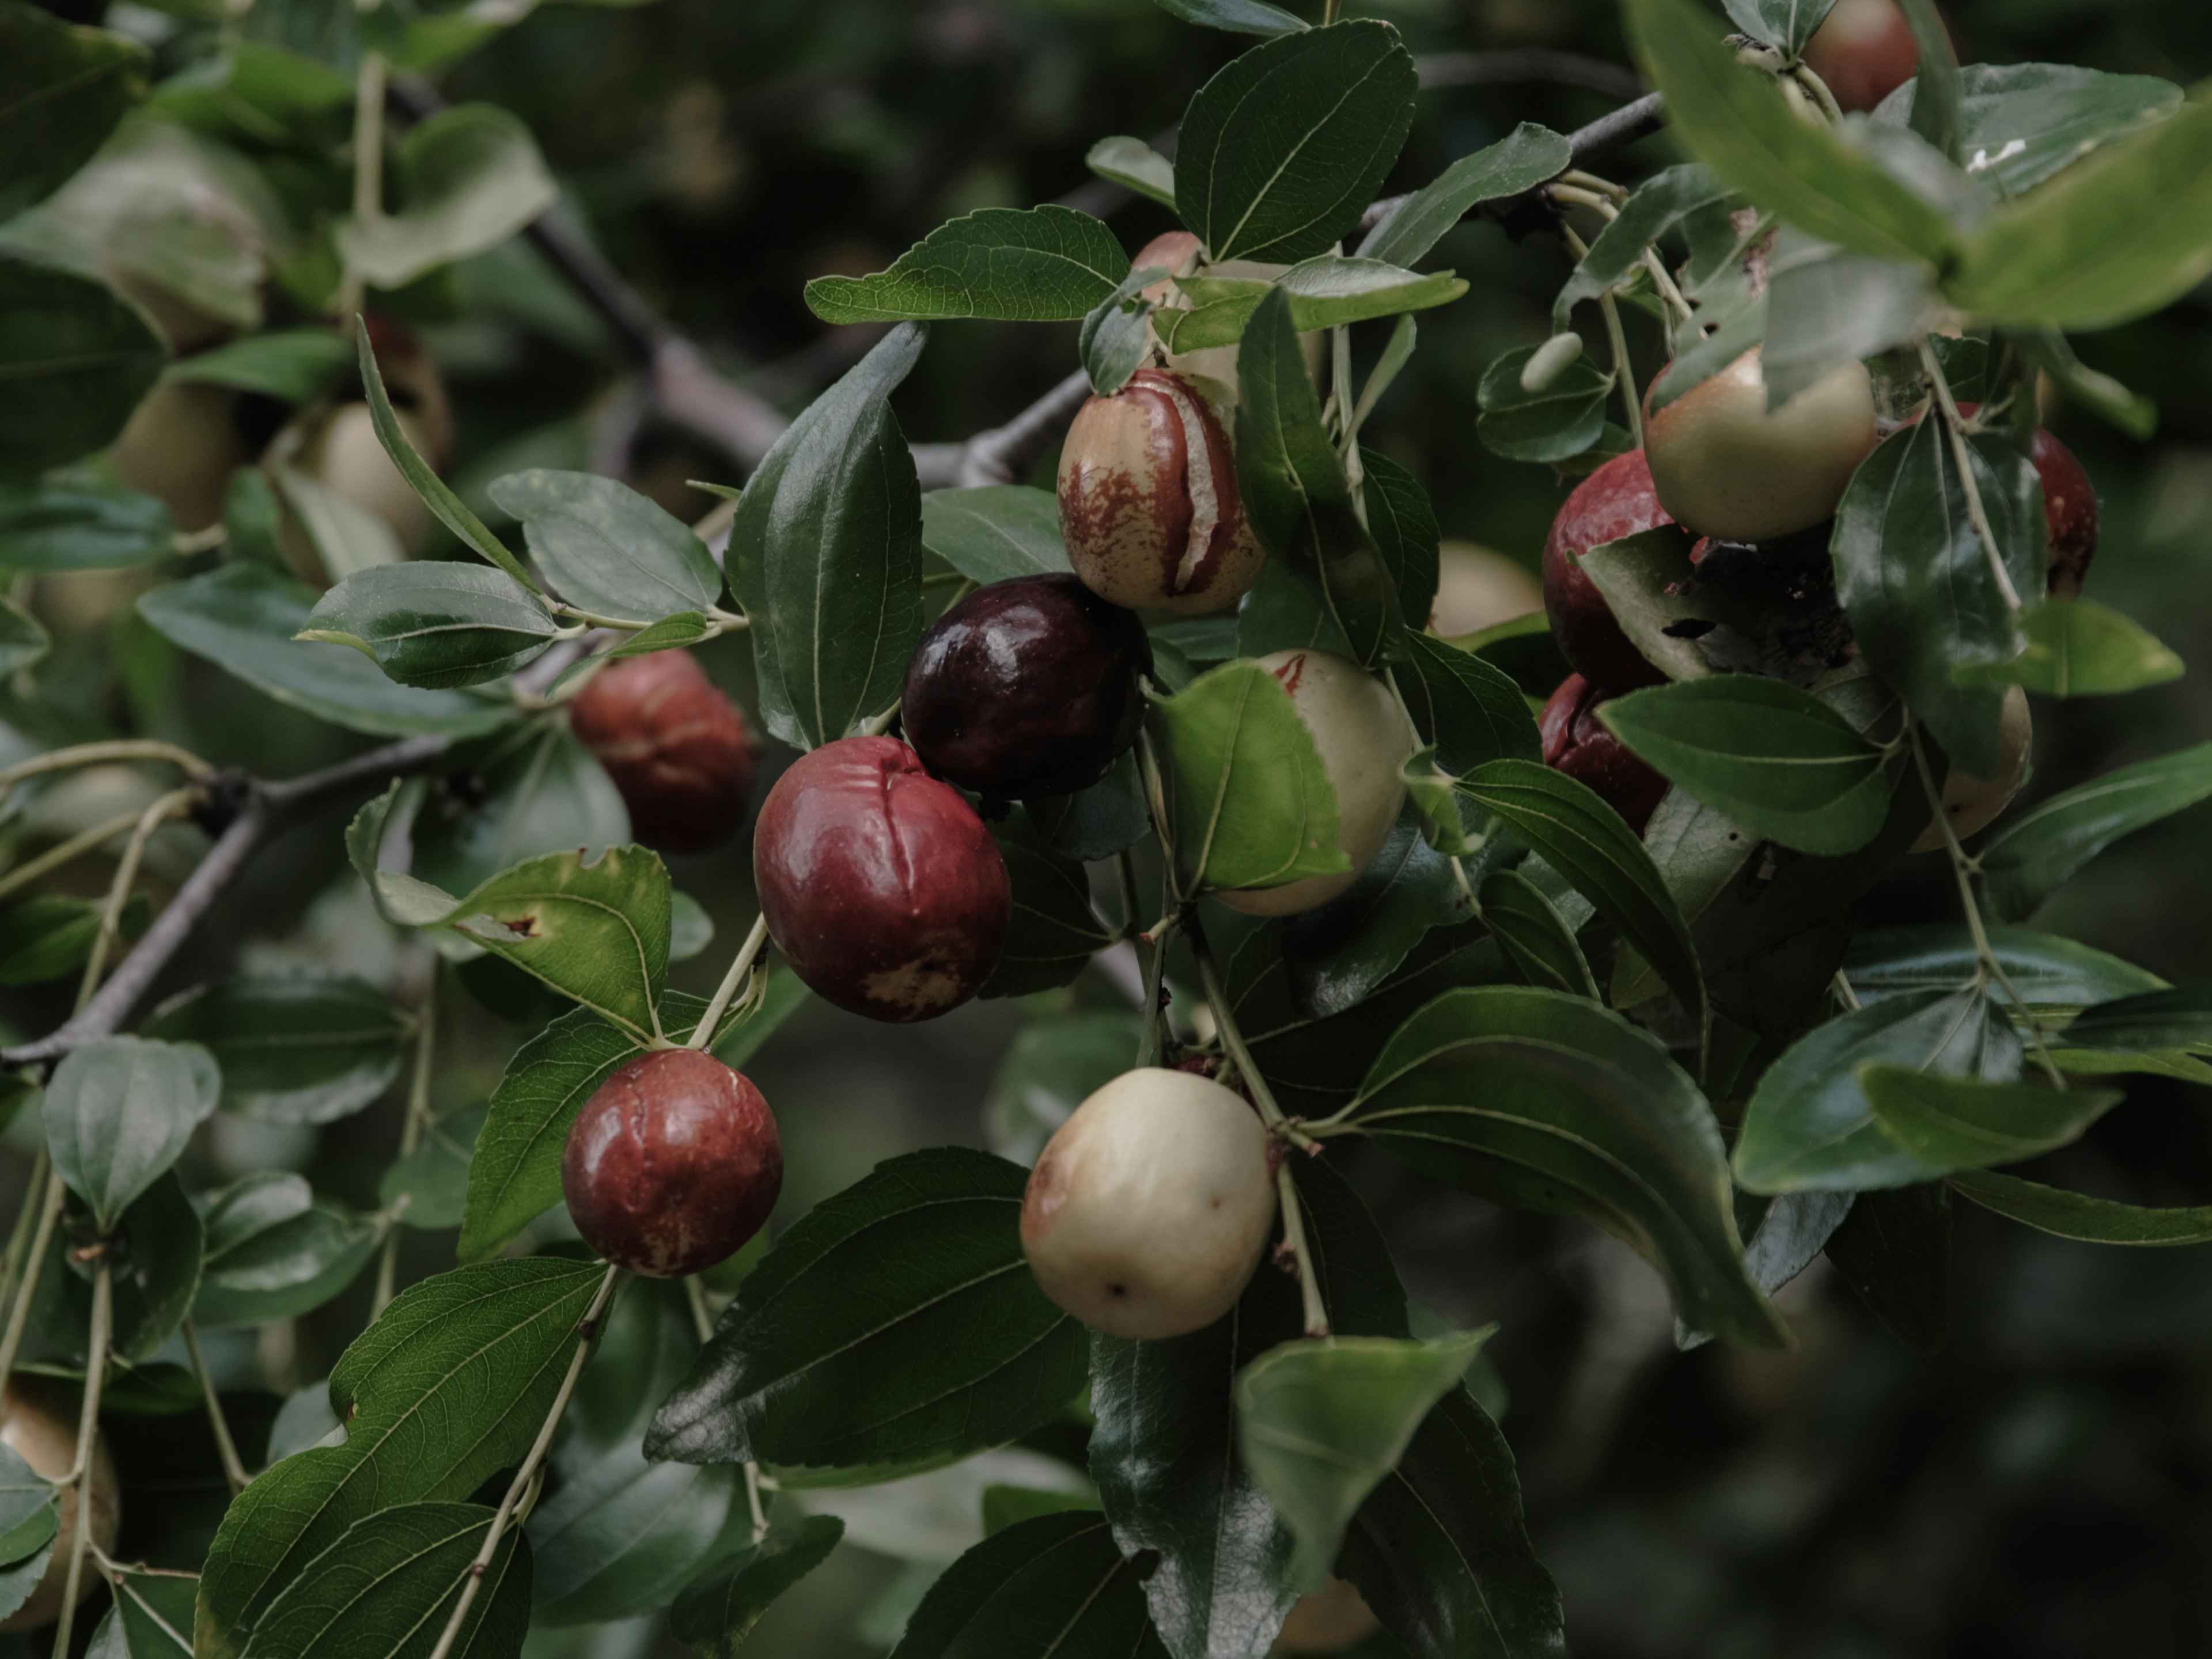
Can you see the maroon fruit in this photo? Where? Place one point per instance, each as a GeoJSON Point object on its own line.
{"type": "Point", "coordinates": [1576, 743]}
{"type": "Point", "coordinates": [1027, 688]}
{"type": "Point", "coordinates": [2069, 512]}
{"type": "Point", "coordinates": [676, 747]}
{"type": "Point", "coordinates": [881, 886]}
{"type": "Point", "coordinates": [1615, 501]}
{"type": "Point", "coordinates": [1864, 52]}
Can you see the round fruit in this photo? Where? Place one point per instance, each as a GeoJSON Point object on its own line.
{"type": "Point", "coordinates": [1173, 252]}
{"type": "Point", "coordinates": [677, 748]}
{"type": "Point", "coordinates": [181, 445]}
{"type": "Point", "coordinates": [881, 888]}
{"type": "Point", "coordinates": [1148, 500]}
{"type": "Point", "coordinates": [348, 457]}
{"type": "Point", "coordinates": [1334, 1618]}
{"type": "Point", "coordinates": [1864, 52]}
{"type": "Point", "coordinates": [1726, 466]}
{"type": "Point", "coordinates": [1027, 688]}
{"type": "Point", "coordinates": [37, 1423]}
{"type": "Point", "coordinates": [1971, 803]}
{"type": "Point", "coordinates": [1615, 501]}
{"type": "Point", "coordinates": [1363, 738]}
{"type": "Point", "coordinates": [672, 1164]}
{"type": "Point", "coordinates": [1149, 1207]}
{"type": "Point", "coordinates": [1477, 589]}
{"type": "Point", "coordinates": [2069, 512]}
{"type": "Point", "coordinates": [1576, 743]}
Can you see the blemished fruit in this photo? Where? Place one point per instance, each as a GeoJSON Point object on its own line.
{"type": "Point", "coordinates": [1864, 52]}
{"type": "Point", "coordinates": [1148, 500]}
{"type": "Point", "coordinates": [1477, 589]}
{"type": "Point", "coordinates": [1578, 744]}
{"type": "Point", "coordinates": [1334, 1618]}
{"type": "Point", "coordinates": [672, 1164]}
{"type": "Point", "coordinates": [181, 445]}
{"type": "Point", "coordinates": [881, 888]}
{"type": "Point", "coordinates": [37, 1423]}
{"type": "Point", "coordinates": [1615, 501]}
{"type": "Point", "coordinates": [1149, 1208]}
{"type": "Point", "coordinates": [1724, 465]}
{"type": "Point", "coordinates": [1972, 804]}
{"type": "Point", "coordinates": [677, 748]}
{"type": "Point", "coordinates": [1363, 738]}
{"type": "Point", "coordinates": [1027, 688]}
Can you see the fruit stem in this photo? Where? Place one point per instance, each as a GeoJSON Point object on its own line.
{"type": "Point", "coordinates": [1624, 370]}
{"type": "Point", "coordinates": [87, 1427]}
{"type": "Point", "coordinates": [175, 804]}
{"type": "Point", "coordinates": [1953, 425]}
{"type": "Point", "coordinates": [19, 1234]}
{"type": "Point", "coordinates": [1803, 74]}
{"type": "Point", "coordinates": [92, 754]}
{"type": "Point", "coordinates": [695, 1297]}
{"type": "Point", "coordinates": [410, 1135]}
{"type": "Point", "coordinates": [1841, 986]}
{"type": "Point", "coordinates": [740, 965]}
{"type": "Point", "coordinates": [1294, 1229]}
{"type": "Point", "coordinates": [367, 168]}
{"type": "Point", "coordinates": [1225, 1021]}
{"type": "Point", "coordinates": [588, 1327]}
{"type": "Point", "coordinates": [753, 1502]}
{"type": "Point", "coordinates": [233, 1467]}
{"type": "Point", "coordinates": [49, 1213]}
{"type": "Point", "coordinates": [881, 723]}
{"type": "Point", "coordinates": [75, 846]}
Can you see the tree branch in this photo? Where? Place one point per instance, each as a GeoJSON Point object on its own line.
{"type": "Point", "coordinates": [1002, 454]}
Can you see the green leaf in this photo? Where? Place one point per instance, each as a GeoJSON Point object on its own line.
{"type": "Point", "coordinates": [1097, 823]}
{"type": "Point", "coordinates": [1337, 952]}
{"type": "Point", "coordinates": [385, 1587]}
{"type": "Point", "coordinates": [1556, 423]}
{"type": "Point", "coordinates": [1320, 1425]}
{"type": "Point", "coordinates": [294, 366]}
{"type": "Point", "coordinates": [1809, 1125]}
{"type": "Point", "coordinates": [1326, 291]}
{"type": "Point", "coordinates": [1936, 92]}
{"type": "Point", "coordinates": [343, 536]}
{"type": "Point", "coordinates": [1053, 932]}
{"type": "Point", "coordinates": [994, 532]}
{"type": "Point", "coordinates": [274, 1250]}
{"type": "Point", "coordinates": [544, 794]}
{"type": "Point", "coordinates": [608, 549]}
{"type": "Point", "coordinates": [715, 1617]}
{"type": "Point", "coordinates": [1404, 525]}
{"type": "Point", "coordinates": [2076, 1215]}
{"type": "Point", "coordinates": [427, 1188]}
{"type": "Point", "coordinates": [436, 625]}
{"type": "Point", "coordinates": [1249, 799]}
{"type": "Point", "coordinates": [1052, 1067]}
{"type": "Point", "coordinates": [469, 177]}
{"type": "Point", "coordinates": [1960, 1123]}
{"type": "Point", "coordinates": [685, 628]}
{"type": "Point", "coordinates": [2177, 1017]}
{"type": "Point", "coordinates": [896, 1324]}
{"type": "Point", "coordinates": [1009, 1506]}
{"type": "Point", "coordinates": [20, 1581]}
{"type": "Point", "coordinates": [2079, 648]}
{"type": "Point", "coordinates": [1655, 207]}
{"type": "Point", "coordinates": [79, 520]}
{"type": "Point", "coordinates": [244, 619]}
{"type": "Point", "coordinates": [1547, 1101]}
{"type": "Point", "coordinates": [1534, 934]}
{"type": "Point", "coordinates": [76, 359]}
{"type": "Point", "coordinates": [2035, 855]}
{"type": "Point", "coordinates": [2132, 412]}
{"type": "Point", "coordinates": [1777, 760]}
{"type": "Point", "coordinates": [1038, 265]}
{"type": "Point", "coordinates": [1895, 1250]}
{"type": "Point", "coordinates": [623, 1536]}
{"type": "Point", "coordinates": [293, 1048]}
{"type": "Point", "coordinates": [1134, 165]}
{"type": "Point", "coordinates": [1524, 158]}
{"type": "Point", "coordinates": [117, 1114]}
{"type": "Point", "coordinates": [2049, 972]}
{"type": "Point", "coordinates": [44, 938]}
{"type": "Point", "coordinates": [1051, 1586]}
{"type": "Point", "coordinates": [1236, 17]}
{"type": "Point", "coordinates": [1280, 152]}
{"type": "Point", "coordinates": [22, 642]}
{"type": "Point", "coordinates": [1785, 25]}
{"type": "Point", "coordinates": [1827, 308]}
{"type": "Point", "coordinates": [826, 555]}
{"type": "Point", "coordinates": [156, 1251]}
{"type": "Point", "coordinates": [63, 89]}
{"type": "Point", "coordinates": [449, 1387]}
{"type": "Point", "coordinates": [2020, 123]}
{"type": "Point", "coordinates": [1523, 650]}
{"type": "Point", "coordinates": [28, 1517]}
{"type": "Point", "coordinates": [1114, 336]}
{"type": "Point", "coordinates": [155, 1611]}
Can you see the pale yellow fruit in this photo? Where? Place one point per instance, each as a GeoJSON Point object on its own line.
{"type": "Point", "coordinates": [180, 446]}
{"type": "Point", "coordinates": [38, 1424]}
{"type": "Point", "coordinates": [1477, 589]}
{"type": "Point", "coordinates": [1334, 1618]}
{"type": "Point", "coordinates": [349, 460]}
{"type": "Point", "coordinates": [1972, 804]}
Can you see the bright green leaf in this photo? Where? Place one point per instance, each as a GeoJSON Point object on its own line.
{"type": "Point", "coordinates": [1025, 265]}
{"type": "Point", "coordinates": [1524, 158]}
{"type": "Point", "coordinates": [118, 1112]}
{"type": "Point", "coordinates": [437, 625]}
{"type": "Point", "coordinates": [2035, 855]}
{"type": "Point", "coordinates": [2079, 648]}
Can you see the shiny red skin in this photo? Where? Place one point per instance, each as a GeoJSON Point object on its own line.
{"type": "Point", "coordinates": [1027, 688]}
{"type": "Point", "coordinates": [881, 888]}
{"type": "Point", "coordinates": [1864, 65]}
{"type": "Point", "coordinates": [2069, 512]}
{"type": "Point", "coordinates": [674, 1163]}
{"type": "Point", "coordinates": [677, 748]}
{"type": "Point", "coordinates": [1617, 500]}
{"type": "Point", "coordinates": [1576, 744]}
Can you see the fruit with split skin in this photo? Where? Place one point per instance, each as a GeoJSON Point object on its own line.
{"type": "Point", "coordinates": [1616, 501]}
{"type": "Point", "coordinates": [38, 1423]}
{"type": "Point", "coordinates": [677, 748]}
{"type": "Point", "coordinates": [881, 886]}
{"type": "Point", "coordinates": [672, 1164]}
{"type": "Point", "coordinates": [1477, 589]}
{"type": "Point", "coordinates": [1577, 745]}
{"type": "Point", "coordinates": [1027, 688]}
{"type": "Point", "coordinates": [1363, 738]}
{"type": "Point", "coordinates": [1972, 804]}
{"type": "Point", "coordinates": [1149, 1208]}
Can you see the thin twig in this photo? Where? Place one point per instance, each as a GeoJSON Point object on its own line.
{"type": "Point", "coordinates": [1003, 454]}
{"type": "Point", "coordinates": [411, 1130]}
{"type": "Point", "coordinates": [1624, 369]}
{"type": "Point", "coordinates": [233, 1467]}
{"type": "Point", "coordinates": [96, 754]}
{"type": "Point", "coordinates": [50, 1211]}
{"type": "Point", "coordinates": [26, 1219]}
{"type": "Point", "coordinates": [175, 804]}
{"type": "Point", "coordinates": [75, 847]}
{"type": "Point", "coordinates": [740, 966]}
{"type": "Point", "coordinates": [87, 1430]}
{"type": "Point", "coordinates": [1953, 426]}
{"type": "Point", "coordinates": [1294, 1229]}
{"type": "Point", "coordinates": [695, 1296]}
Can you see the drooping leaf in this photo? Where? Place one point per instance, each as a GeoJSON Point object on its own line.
{"type": "Point", "coordinates": [2076, 1215]}
{"type": "Point", "coordinates": [1827, 306]}
{"type": "Point", "coordinates": [76, 359]}
{"type": "Point", "coordinates": [995, 531]}
{"type": "Point", "coordinates": [1134, 165]}
{"type": "Point", "coordinates": [276, 1251]}
{"type": "Point", "coordinates": [1021, 265]}
{"type": "Point", "coordinates": [1337, 952]}
{"type": "Point", "coordinates": [469, 178]}
{"type": "Point", "coordinates": [623, 1535]}
{"type": "Point", "coordinates": [1465, 705]}
{"type": "Point", "coordinates": [2051, 973]}
{"type": "Point", "coordinates": [1116, 334]}
{"type": "Point", "coordinates": [715, 1617]}
{"type": "Point", "coordinates": [436, 625]}
{"type": "Point", "coordinates": [608, 549]}
{"type": "Point", "coordinates": [117, 1114]}
{"type": "Point", "coordinates": [63, 89]}
{"type": "Point", "coordinates": [1055, 1585]}
{"type": "Point", "coordinates": [2079, 648]}
{"type": "Point", "coordinates": [1404, 525]}
{"type": "Point", "coordinates": [543, 794]}
{"type": "Point", "coordinates": [1096, 822]}
{"type": "Point", "coordinates": [1326, 291]}
{"type": "Point", "coordinates": [156, 1253]}
{"type": "Point", "coordinates": [2178, 1017]}
{"type": "Point", "coordinates": [2038, 852]}
{"type": "Point", "coordinates": [1895, 1250]}
{"type": "Point", "coordinates": [1521, 161]}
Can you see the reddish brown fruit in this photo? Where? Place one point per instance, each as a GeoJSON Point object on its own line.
{"type": "Point", "coordinates": [881, 888]}
{"type": "Point", "coordinates": [1615, 501]}
{"type": "Point", "coordinates": [1576, 743]}
{"type": "Point", "coordinates": [677, 748]}
{"type": "Point", "coordinates": [1864, 52]}
{"type": "Point", "coordinates": [672, 1164]}
{"type": "Point", "coordinates": [1172, 251]}
{"type": "Point", "coordinates": [2069, 512]}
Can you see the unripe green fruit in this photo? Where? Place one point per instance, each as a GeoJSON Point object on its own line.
{"type": "Point", "coordinates": [1363, 738]}
{"type": "Point", "coordinates": [1972, 804]}
{"type": "Point", "coordinates": [1149, 1208]}
{"type": "Point", "coordinates": [1726, 466]}
{"type": "Point", "coordinates": [35, 1423]}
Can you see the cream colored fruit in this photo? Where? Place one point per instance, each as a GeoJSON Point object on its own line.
{"type": "Point", "coordinates": [1477, 589]}
{"type": "Point", "coordinates": [180, 446]}
{"type": "Point", "coordinates": [1149, 1208]}
{"type": "Point", "coordinates": [1724, 465]}
{"type": "Point", "coordinates": [1972, 804]}
{"type": "Point", "coordinates": [1364, 738]}
{"type": "Point", "coordinates": [37, 1424]}
{"type": "Point", "coordinates": [1334, 1618]}
{"type": "Point", "coordinates": [349, 460]}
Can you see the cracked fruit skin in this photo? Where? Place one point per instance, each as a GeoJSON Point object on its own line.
{"type": "Point", "coordinates": [881, 888]}
{"type": "Point", "coordinates": [1148, 502]}
{"type": "Point", "coordinates": [1027, 688]}
{"type": "Point", "coordinates": [37, 1423]}
{"type": "Point", "coordinates": [1149, 1208]}
{"type": "Point", "coordinates": [1617, 500]}
{"type": "Point", "coordinates": [1576, 744]}
{"type": "Point", "coordinates": [1726, 466]}
{"type": "Point", "coordinates": [677, 748]}
{"type": "Point", "coordinates": [1972, 804]}
{"type": "Point", "coordinates": [1363, 738]}
{"type": "Point", "coordinates": [672, 1164]}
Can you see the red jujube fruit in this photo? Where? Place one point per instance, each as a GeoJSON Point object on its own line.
{"type": "Point", "coordinates": [677, 748]}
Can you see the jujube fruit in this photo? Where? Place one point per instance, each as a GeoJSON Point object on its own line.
{"type": "Point", "coordinates": [881, 888]}
{"type": "Point", "coordinates": [37, 1423]}
{"type": "Point", "coordinates": [2069, 512]}
{"type": "Point", "coordinates": [345, 455]}
{"type": "Point", "coordinates": [1973, 803]}
{"type": "Point", "coordinates": [1148, 500]}
{"type": "Point", "coordinates": [1027, 688]}
{"type": "Point", "coordinates": [1149, 1208]}
{"type": "Point", "coordinates": [1333, 1619]}
{"type": "Point", "coordinates": [180, 445]}
{"type": "Point", "coordinates": [1577, 745]}
{"type": "Point", "coordinates": [672, 1164]}
{"type": "Point", "coordinates": [1615, 501]}
{"type": "Point", "coordinates": [1362, 738]}
{"type": "Point", "coordinates": [1477, 589]}
{"type": "Point", "coordinates": [1864, 51]}
{"type": "Point", "coordinates": [677, 747]}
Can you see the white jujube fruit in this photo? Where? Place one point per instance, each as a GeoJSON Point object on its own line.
{"type": "Point", "coordinates": [180, 446]}
{"type": "Point", "coordinates": [349, 460]}
{"type": "Point", "coordinates": [1149, 1208]}
{"type": "Point", "coordinates": [1972, 804]}
{"type": "Point", "coordinates": [1477, 589]}
{"type": "Point", "coordinates": [1364, 738]}
{"type": "Point", "coordinates": [1725, 466]}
